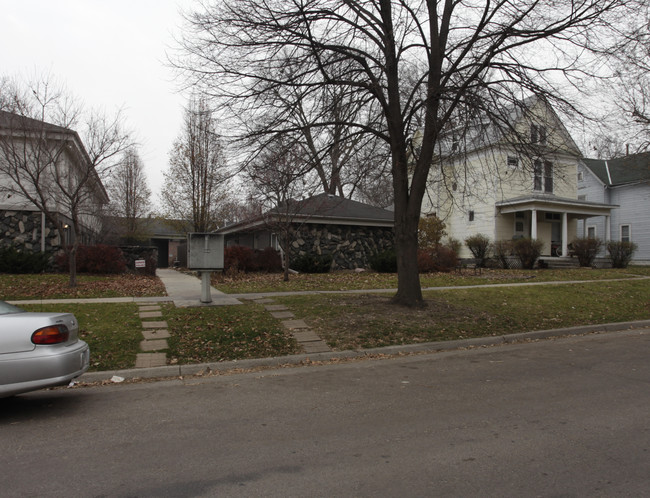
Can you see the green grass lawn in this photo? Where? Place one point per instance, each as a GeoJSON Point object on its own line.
{"type": "Point", "coordinates": [350, 280]}
{"type": "Point", "coordinates": [351, 321]}
{"type": "Point", "coordinates": [113, 331]}
{"type": "Point", "coordinates": [364, 321]}
{"type": "Point", "coordinates": [211, 334]}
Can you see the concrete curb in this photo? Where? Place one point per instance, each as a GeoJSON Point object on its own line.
{"type": "Point", "coordinates": [189, 370]}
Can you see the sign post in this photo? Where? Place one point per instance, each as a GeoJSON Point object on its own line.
{"type": "Point", "coordinates": [205, 254]}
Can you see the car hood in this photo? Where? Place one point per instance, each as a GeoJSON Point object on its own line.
{"type": "Point", "coordinates": [16, 329]}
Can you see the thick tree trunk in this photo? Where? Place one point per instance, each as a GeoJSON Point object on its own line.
{"type": "Point", "coordinates": [409, 291]}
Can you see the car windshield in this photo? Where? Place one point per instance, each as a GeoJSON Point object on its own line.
{"type": "Point", "coordinates": [6, 308]}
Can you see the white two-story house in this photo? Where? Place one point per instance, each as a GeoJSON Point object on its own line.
{"type": "Point", "coordinates": [515, 180]}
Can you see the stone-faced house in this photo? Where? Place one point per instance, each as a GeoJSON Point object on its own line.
{"type": "Point", "coordinates": [624, 182]}
{"type": "Point", "coordinates": [510, 184]}
{"type": "Point", "coordinates": [349, 231]}
{"type": "Point", "coordinates": [29, 147]}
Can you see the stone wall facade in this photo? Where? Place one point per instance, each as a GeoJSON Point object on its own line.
{"type": "Point", "coordinates": [22, 230]}
{"type": "Point", "coordinates": [350, 246]}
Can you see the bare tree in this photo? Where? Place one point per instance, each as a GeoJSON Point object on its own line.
{"type": "Point", "coordinates": [632, 86]}
{"type": "Point", "coordinates": [425, 65]}
{"type": "Point", "coordinates": [46, 163]}
{"type": "Point", "coordinates": [279, 176]}
{"type": "Point", "coordinates": [196, 183]}
{"type": "Point", "coordinates": [129, 193]}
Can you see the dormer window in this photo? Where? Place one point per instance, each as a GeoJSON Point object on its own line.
{"type": "Point", "coordinates": [538, 134]}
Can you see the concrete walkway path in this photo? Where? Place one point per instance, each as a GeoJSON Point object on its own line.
{"type": "Point", "coordinates": [185, 290]}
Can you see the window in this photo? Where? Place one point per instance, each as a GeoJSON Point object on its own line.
{"type": "Point", "coordinates": [471, 216]}
{"type": "Point", "coordinates": [581, 176]}
{"type": "Point", "coordinates": [538, 134]}
{"type": "Point", "coordinates": [543, 176]}
{"type": "Point", "coordinates": [626, 233]}
{"type": "Point", "coordinates": [591, 232]}
{"type": "Point", "coordinates": [537, 174]}
{"type": "Point", "coordinates": [548, 177]}
{"type": "Point", "coordinates": [513, 162]}
{"type": "Point", "coordinates": [582, 197]}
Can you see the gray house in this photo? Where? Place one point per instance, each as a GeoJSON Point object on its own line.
{"type": "Point", "coordinates": [46, 158]}
{"type": "Point", "coordinates": [348, 231]}
{"type": "Point", "coordinates": [624, 182]}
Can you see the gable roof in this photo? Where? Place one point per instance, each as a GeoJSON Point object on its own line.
{"type": "Point", "coordinates": [333, 206]}
{"type": "Point", "coordinates": [509, 126]}
{"type": "Point", "coordinates": [626, 170]}
{"type": "Point", "coordinates": [13, 121]}
{"type": "Point", "coordinates": [322, 208]}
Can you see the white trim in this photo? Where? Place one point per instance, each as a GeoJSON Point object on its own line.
{"type": "Point", "coordinates": [629, 230]}
{"type": "Point", "coordinates": [609, 176]}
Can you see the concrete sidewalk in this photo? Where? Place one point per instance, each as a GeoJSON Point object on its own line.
{"type": "Point", "coordinates": [185, 290]}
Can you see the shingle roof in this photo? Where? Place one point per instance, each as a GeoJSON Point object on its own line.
{"type": "Point", "coordinates": [10, 120]}
{"type": "Point", "coordinates": [322, 208]}
{"type": "Point", "coordinates": [621, 171]}
{"type": "Point", "coordinates": [333, 206]}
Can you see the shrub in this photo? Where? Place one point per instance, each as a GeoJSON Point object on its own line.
{"type": "Point", "coordinates": [431, 230]}
{"type": "Point", "coordinates": [312, 263]}
{"type": "Point", "coordinates": [479, 245]}
{"type": "Point", "coordinates": [586, 249]}
{"type": "Point", "coordinates": [426, 260]}
{"type": "Point", "coordinates": [454, 245]}
{"type": "Point", "coordinates": [98, 259]}
{"type": "Point", "coordinates": [384, 262]}
{"type": "Point", "coordinates": [620, 253]}
{"type": "Point", "coordinates": [14, 261]}
{"type": "Point", "coordinates": [503, 249]}
{"type": "Point", "coordinates": [442, 259]}
{"type": "Point", "coordinates": [239, 258]}
{"type": "Point", "coordinates": [268, 260]}
{"type": "Point", "coordinates": [446, 259]}
{"type": "Point", "coordinates": [528, 251]}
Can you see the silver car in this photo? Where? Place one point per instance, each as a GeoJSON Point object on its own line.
{"type": "Point", "coordinates": [38, 350]}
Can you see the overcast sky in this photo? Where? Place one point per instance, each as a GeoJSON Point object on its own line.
{"type": "Point", "coordinates": [110, 53]}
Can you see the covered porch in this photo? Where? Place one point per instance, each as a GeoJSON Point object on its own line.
{"type": "Point", "coordinates": [550, 219]}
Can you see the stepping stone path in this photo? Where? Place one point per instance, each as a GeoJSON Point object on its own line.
{"type": "Point", "coordinates": [155, 336]}
{"type": "Point", "coordinates": [307, 338]}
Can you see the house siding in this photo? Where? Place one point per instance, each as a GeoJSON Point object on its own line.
{"type": "Point", "coordinates": [629, 199]}
{"type": "Point", "coordinates": [629, 213]}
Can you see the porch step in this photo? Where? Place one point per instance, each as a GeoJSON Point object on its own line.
{"type": "Point", "coordinates": [560, 263]}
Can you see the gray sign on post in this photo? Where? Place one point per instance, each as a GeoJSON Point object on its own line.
{"type": "Point", "coordinates": [205, 253]}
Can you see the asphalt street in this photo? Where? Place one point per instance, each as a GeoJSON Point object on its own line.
{"type": "Point", "coordinates": [563, 417]}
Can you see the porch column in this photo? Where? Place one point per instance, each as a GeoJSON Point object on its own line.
{"type": "Point", "coordinates": [608, 228]}
{"type": "Point", "coordinates": [565, 234]}
{"type": "Point", "coordinates": [533, 224]}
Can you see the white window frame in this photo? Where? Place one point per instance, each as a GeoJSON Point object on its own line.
{"type": "Point", "coordinates": [629, 232]}
{"type": "Point", "coordinates": [594, 228]}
